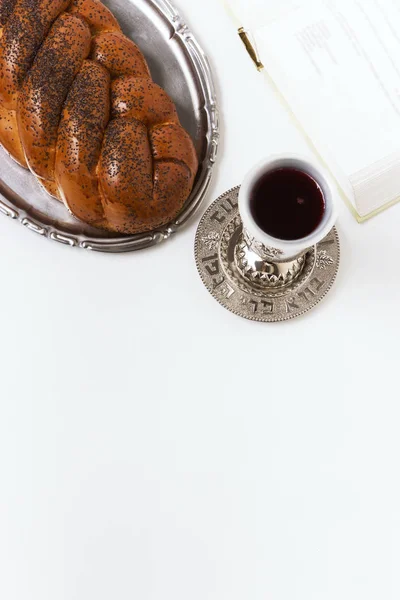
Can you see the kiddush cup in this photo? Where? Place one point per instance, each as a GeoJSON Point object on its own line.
{"type": "Point", "coordinates": [291, 193]}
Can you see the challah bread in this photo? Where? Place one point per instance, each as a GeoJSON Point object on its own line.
{"type": "Point", "coordinates": [80, 137]}
{"type": "Point", "coordinates": [25, 24]}
{"type": "Point", "coordinates": [45, 89]}
{"type": "Point", "coordinates": [6, 8]}
{"type": "Point", "coordinates": [9, 135]}
{"type": "Point", "coordinates": [24, 32]}
{"type": "Point", "coordinates": [141, 99]}
{"type": "Point", "coordinates": [8, 119]}
{"type": "Point", "coordinates": [119, 55]}
{"type": "Point", "coordinates": [81, 110]}
{"type": "Point", "coordinates": [97, 16]}
{"type": "Point", "coordinates": [134, 186]}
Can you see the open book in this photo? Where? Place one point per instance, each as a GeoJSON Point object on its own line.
{"type": "Point", "coordinates": [337, 65]}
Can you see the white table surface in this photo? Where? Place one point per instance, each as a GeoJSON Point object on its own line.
{"type": "Point", "coordinates": [155, 447]}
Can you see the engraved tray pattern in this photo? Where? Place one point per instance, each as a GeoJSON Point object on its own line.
{"type": "Point", "coordinates": [178, 64]}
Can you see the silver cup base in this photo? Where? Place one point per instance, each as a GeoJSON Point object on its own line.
{"type": "Point", "coordinates": [250, 286]}
{"type": "Point", "coordinates": [256, 269]}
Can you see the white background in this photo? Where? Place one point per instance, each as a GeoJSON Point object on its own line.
{"type": "Point", "coordinates": [155, 447]}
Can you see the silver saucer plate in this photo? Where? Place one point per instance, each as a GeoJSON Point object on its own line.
{"type": "Point", "coordinates": [217, 241]}
{"type": "Point", "coordinates": [179, 65]}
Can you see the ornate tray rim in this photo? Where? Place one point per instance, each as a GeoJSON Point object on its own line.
{"type": "Point", "coordinates": [146, 240]}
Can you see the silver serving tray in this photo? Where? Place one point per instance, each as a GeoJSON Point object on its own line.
{"type": "Point", "coordinates": [179, 65]}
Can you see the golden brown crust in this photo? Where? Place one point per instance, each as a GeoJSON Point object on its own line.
{"type": "Point", "coordinates": [25, 30]}
{"type": "Point", "coordinates": [142, 99]}
{"type": "Point", "coordinates": [51, 188]}
{"type": "Point", "coordinates": [6, 8]}
{"type": "Point", "coordinates": [173, 183]}
{"type": "Point", "coordinates": [9, 136]}
{"type": "Point", "coordinates": [126, 174]}
{"type": "Point", "coordinates": [45, 89]}
{"type": "Point", "coordinates": [119, 55]}
{"type": "Point", "coordinates": [138, 196]}
{"type": "Point", "coordinates": [171, 142]}
{"type": "Point", "coordinates": [84, 119]}
{"type": "Point", "coordinates": [98, 17]}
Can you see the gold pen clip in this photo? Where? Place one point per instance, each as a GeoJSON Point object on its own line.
{"type": "Point", "coordinates": [244, 36]}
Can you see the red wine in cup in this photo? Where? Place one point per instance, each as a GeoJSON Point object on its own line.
{"type": "Point", "coordinates": [287, 204]}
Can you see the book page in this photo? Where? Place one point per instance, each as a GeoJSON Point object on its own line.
{"type": "Point", "coordinates": [337, 62]}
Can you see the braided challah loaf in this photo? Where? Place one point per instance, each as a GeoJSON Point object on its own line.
{"type": "Point", "coordinates": [78, 107]}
